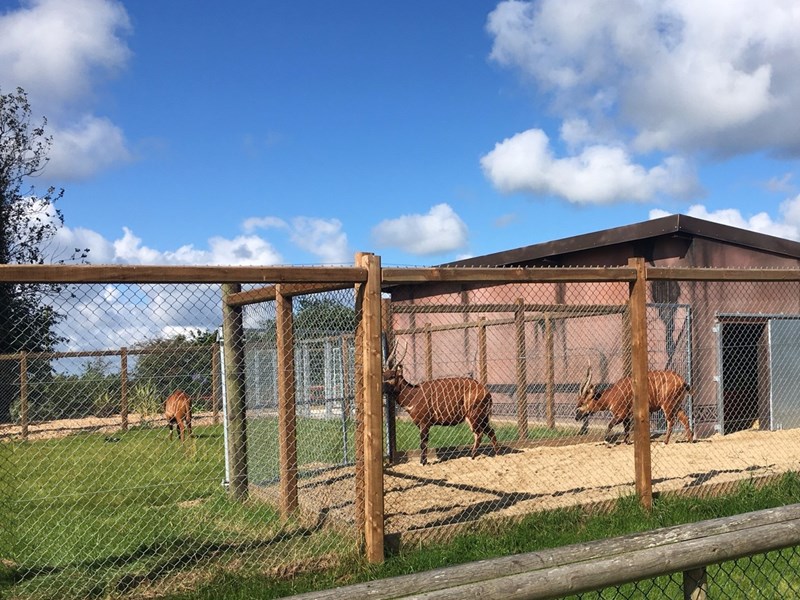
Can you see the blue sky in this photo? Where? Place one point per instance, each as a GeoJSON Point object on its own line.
{"type": "Point", "coordinates": [287, 132]}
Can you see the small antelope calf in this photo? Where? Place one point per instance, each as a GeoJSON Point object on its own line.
{"type": "Point", "coordinates": [178, 411]}
{"type": "Point", "coordinates": [666, 390]}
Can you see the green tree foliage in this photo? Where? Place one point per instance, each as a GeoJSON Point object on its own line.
{"type": "Point", "coordinates": [28, 224]}
{"type": "Point", "coordinates": [322, 316]}
{"type": "Point", "coordinates": [183, 362]}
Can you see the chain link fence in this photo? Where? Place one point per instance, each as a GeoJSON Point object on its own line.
{"type": "Point", "coordinates": [769, 576]}
{"type": "Point", "coordinates": [98, 500]}
{"type": "Point", "coordinates": [322, 449]}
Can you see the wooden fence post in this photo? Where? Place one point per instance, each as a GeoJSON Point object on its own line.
{"type": "Point", "coordinates": [23, 394]}
{"type": "Point", "coordinates": [639, 368]}
{"type": "Point", "coordinates": [522, 379]}
{"type": "Point", "coordinates": [215, 382]}
{"type": "Point", "coordinates": [483, 369]}
{"type": "Point", "coordinates": [428, 352]}
{"type": "Point", "coordinates": [695, 584]}
{"type": "Point", "coordinates": [550, 375]}
{"type": "Point", "coordinates": [287, 399]}
{"type": "Point", "coordinates": [233, 338]}
{"type": "Point", "coordinates": [123, 387]}
{"type": "Point", "coordinates": [370, 302]}
{"type": "Point", "coordinates": [358, 364]}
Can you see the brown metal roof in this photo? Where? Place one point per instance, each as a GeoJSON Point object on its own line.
{"type": "Point", "coordinates": [664, 226]}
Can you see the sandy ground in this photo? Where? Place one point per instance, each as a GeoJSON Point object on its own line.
{"type": "Point", "coordinates": [520, 481]}
{"type": "Point", "coordinates": [63, 427]}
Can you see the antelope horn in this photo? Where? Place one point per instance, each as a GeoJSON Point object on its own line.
{"type": "Point", "coordinates": [402, 356]}
{"type": "Point", "coordinates": [588, 382]}
{"type": "Point", "coordinates": [392, 360]}
{"type": "Point", "coordinates": [390, 356]}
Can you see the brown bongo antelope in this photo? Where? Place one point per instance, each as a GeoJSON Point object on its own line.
{"type": "Point", "coordinates": [446, 401]}
{"type": "Point", "coordinates": [666, 390]}
{"type": "Point", "coordinates": [178, 411]}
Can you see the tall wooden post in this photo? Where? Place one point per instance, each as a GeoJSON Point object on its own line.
{"type": "Point", "coordinates": [370, 303]}
{"type": "Point", "coordinates": [233, 334]}
{"type": "Point", "coordinates": [23, 395]}
{"type": "Point", "coordinates": [123, 384]}
{"type": "Point", "coordinates": [215, 382]}
{"type": "Point", "coordinates": [483, 368]}
{"type": "Point", "coordinates": [287, 399]}
{"type": "Point", "coordinates": [522, 378]}
{"type": "Point", "coordinates": [639, 368]}
{"type": "Point", "coordinates": [550, 374]}
{"type": "Point", "coordinates": [358, 364]}
{"type": "Point", "coordinates": [428, 352]}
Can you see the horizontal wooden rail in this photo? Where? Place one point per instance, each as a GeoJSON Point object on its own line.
{"type": "Point", "coordinates": [102, 353]}
{"type": "Point", "coordinates": [396, 276]}
{"type": "Point", "coordinates": [351, 275]}
{"type": "Point", "coordinates": [288, 290]}
{"type": "Point", "coordinates": [177, 274]}
{"type": "Point", "coordinates": [593, 565]}
{"type": "Point", "coordinates": [553, 310]}
{"type": "Point", "coordinates": [718, 274]}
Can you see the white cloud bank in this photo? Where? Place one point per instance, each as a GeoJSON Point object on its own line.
{"type": "Point", "coordinates": [599, 174]}
{"type": "Point", "coordinates": [57, 51]}
{"type": "Point", "coordinates": [646, 80]}
{"type": "Point", "coordinates": [787, 225]}
{"type": "Point", "coordinates": [440, 230]}
{"type": "Point", "coordinates": [323, 239]}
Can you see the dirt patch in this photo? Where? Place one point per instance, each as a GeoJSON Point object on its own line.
{"type": "Point", "coordinates": [460, 490]}
{"type": "Point", "coordinates": [64, 427]}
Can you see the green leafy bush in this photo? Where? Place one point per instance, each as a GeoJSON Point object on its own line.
{"type": "Point", "coordinates": [146, 401]}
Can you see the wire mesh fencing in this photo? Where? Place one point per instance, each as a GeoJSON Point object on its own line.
{"type": "Point", "coordinates": [99, 497]}
{"type": "Point", "coordinates": [742, 365]}
{"type": "Point", "coordinates": [556, 359]}
{"type": "Point", "coordinates": [318, 406]}
{"type": "Point", "coordinates": [769, 576]}
{"type": "Point", "coordinates": [501, 400]}
{"type": "Point", "coordinates": [527, 348]}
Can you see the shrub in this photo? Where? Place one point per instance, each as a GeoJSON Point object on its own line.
{"type": "Point", "coordinates": [106, 404]}
{"type": "Point", "coordinates": [146, 401]}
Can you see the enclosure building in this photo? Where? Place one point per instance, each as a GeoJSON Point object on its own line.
{"type": "Point", "coordinates": [733, 342]}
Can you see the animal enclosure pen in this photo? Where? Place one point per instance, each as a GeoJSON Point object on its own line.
{"type": "Point", "coordinates": [98, 504]}
{"type": "Point", "coordinates": [96, 499]}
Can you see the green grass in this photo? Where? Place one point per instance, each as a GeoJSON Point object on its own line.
{"type": "Point", "coordinates": [96, 515]}
{"type": "Point", "coordinates": [93, 515]}
{"type": "Point", "coordinates": [774, 573]}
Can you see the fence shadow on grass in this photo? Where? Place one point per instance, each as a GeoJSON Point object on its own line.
{"type": "Point", "coordinates": [170, 557]}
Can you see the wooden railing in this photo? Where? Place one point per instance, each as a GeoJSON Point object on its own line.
{"type": "Point", "coordinates": [597, 565]}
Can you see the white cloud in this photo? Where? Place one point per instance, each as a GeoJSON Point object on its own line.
{"type": "Point", "coordinates": [57, 51]}
{"type": "Point", "coordinates": [599, 174]}
{"type": "Point", "coordinates": [788, 226]}
{"type": "Point", "coordinates": [240, 251]}
{"type": "Point", "coordinates": [718, 76]}
{"type": "Point", "coordinates": [88, 146]}
{"type": "Point", "coordinates": [634, 81]}
{"type": "Point", "coordinates": [781, 184]}
{"type": "Point", "coordinates": [323, 238]}
{"type": "Point", "coordinates": [439, 231]}
{"type": "Point", "coordinates": [254, 223]}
